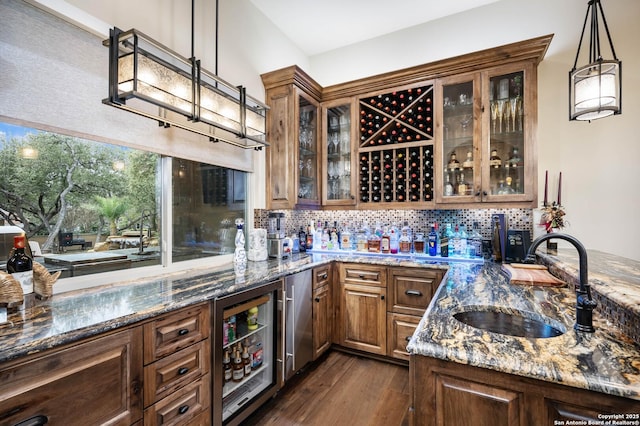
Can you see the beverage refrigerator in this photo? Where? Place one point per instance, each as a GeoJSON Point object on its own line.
{"type": "Point", "coordinates": [236, 328]}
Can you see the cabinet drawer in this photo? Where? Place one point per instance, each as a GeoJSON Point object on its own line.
{"type": "Point", "coordinates": [410, 290]}
{"type": "Point", "coordinates": [400, 329]}
{"type": "Point", "coordinates": [321, 276]}
{"type": "Point", "coordinates": [182, 407]}
{"type": "Point", "coordinates": [172, 372]}
{"type": "Point", "coordinates": [96, 382]}
{"type": "Point", "coordinates": [172, 332]}
{"type": "Point", "coordinates": [363, 274]}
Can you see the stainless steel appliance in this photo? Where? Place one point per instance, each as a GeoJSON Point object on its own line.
{"type": "Point", "coordinates": [276, 230]}
{"type": "Point", "coordinates": [298, 327]}
{"type": "Point", "coordinates": [234, 401]}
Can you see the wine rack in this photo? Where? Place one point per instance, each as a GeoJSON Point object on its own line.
{"type": "Point", "coordinates": [396, 147]}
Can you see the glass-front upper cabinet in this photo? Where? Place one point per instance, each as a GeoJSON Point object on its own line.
{"type": "Point", "coordinates": [507, 173]}
{"type": "Point", "coordinates": [338, 183]}
{"type": "Point", "coordinates": [308, 152]}
{"type": "Point", "coordinates": [487, 147]}
{"type": "Point", "coordinates": [458, 169]}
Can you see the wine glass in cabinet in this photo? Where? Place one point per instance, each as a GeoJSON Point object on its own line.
{"type": "Point", "coordinates": [338, 180]}
{"type": "Point", "coordinates": [509, 173]}
{"type": "Point", "coordinates": [308, 152]}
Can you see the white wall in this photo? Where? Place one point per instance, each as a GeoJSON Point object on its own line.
{"type": "Point", "coordinates": [598, 160]}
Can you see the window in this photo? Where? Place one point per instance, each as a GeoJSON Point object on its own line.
{"type": "Point", "coordinates": [93, 207]}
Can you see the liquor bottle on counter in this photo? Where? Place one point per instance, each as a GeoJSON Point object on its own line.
{"type": "Point", "coordinates": [405, 242]}
{"type": "Point", "coordinates": [385, 241]}
{"type": "Point", "coordinates": [418, 243]}
{"type": "Point", "coordinates": [433, 240]}
{"type": "Point", "coordinates": [345, 238]}
{"type": "Point", "coordinates": [474, 242]}
{"type": "Point", "coordinates": [444, 241]}
{"type": "Point", "coordinates": [20, 265]}
{"type": "Point", "coordinates": [302, 236]}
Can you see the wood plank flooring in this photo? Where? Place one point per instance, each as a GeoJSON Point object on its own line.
{"type": "Point", "coordinates": [341, 389]}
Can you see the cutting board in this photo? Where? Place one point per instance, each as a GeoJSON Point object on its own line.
{"type": "Point", "coordinates": [529, 274]}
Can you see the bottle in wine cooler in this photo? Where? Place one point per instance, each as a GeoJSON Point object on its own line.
{"type": "Point", "coordinates": [246, 361]}
{"type": "Point", "coordinates": [238, 367]}
{"type": "Point", "coordinates": [226, 366]}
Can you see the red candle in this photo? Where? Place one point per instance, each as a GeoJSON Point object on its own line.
{"type": "Point", "coordinates": [559, 187]}
{"type": "Point", "coordinates": [546, 187]}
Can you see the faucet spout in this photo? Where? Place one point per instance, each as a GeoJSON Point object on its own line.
{"type": "Point", "coordinates": [584, 303]}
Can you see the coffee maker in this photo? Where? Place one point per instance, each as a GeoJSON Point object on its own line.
{"type": "Point", "coordinates": [276, 240]}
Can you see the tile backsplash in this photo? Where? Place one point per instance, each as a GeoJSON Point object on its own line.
{"type": "Point", "coordinates": [418, 220]}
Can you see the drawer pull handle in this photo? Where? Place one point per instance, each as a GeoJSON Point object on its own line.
{"type": "Point", "coordinates": [183, 370]}
{"type": "Point", "coordinates": [361, 276]}
{"type": "Point", "coordinates": [324, 276]}
{"type": "Point", "coordinates": [183, 409]}
{"type": "Point", "coordinates": [413, 293]}
{"type": "Point", "coordinates": [34, 421]}
{"type": "Point", "coordinates": [183, 332]}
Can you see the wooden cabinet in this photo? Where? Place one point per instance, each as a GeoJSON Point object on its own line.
{"type": "Point", "coordinates": [406, 125]}
{"type": "Point", "coordinates": [338, 165]}
{"type": "Point", "coordinates": [456, 394]}
{"type": "Point", "coordinates": [177, 358]}
{"type": "Point", "coordinates": [410, 291]}
{"type": "Point", "coordinates": [485, 122]}
{"type": "Point", "coordinates": [293, 168]}
{"type": "Point", "coordinates": [98, 381]}
{"type": "Point", "coordinates": [362, 308]}
{"type": "Point", "coordinates": [322, 310]}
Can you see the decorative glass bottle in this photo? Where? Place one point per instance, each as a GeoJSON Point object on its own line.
{"type": "Point", "coordinates": [240, 256]}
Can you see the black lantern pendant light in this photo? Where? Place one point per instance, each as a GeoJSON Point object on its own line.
{"type": "Point", "coordinates": [595, 89]}
{"type": "Point", "coordinates": [153, 81]}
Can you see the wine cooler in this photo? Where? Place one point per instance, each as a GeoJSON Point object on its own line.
{"type": "Point", "coordinates": [396, 147]}
{"type": "Point", "coordinates": [247, 354]}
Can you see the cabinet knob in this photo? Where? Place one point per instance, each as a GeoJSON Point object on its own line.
{"type": "Point", "coordinates": [324, 276]}
{"type": "Point", "coordinates": [183, 331]}
{"type": "Point", "coordinates": [183, 409]}
{"type": "Point", "coordinates": [382, 297]}
{"type": "Point", "coordinates": [317, 299]}
{"type": "Point", "coordinates": [183, 370]}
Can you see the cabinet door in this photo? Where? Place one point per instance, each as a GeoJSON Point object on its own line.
{"type": "Point", "coordinates": [308, 165]}
{"type": "Point", "coordinates": [400, 328]}
{"type": "Point", "coordinates": [338, 182]}
{"type": "Point", "coordinates": [281, 154]}
{"type": "Point", "coordinates": [363, 318]}
{"type": "Point", "coordinates": [95, 382]}
{"type": "Point", "coordinates": [459, 128]}
{"type": "Point", "coordinates": [322, 320]}
{"type": "Point", "coordinates": [510, 110]}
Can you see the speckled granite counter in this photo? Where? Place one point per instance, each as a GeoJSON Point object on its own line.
{"type": "Point", "coordinates": [605, 361]}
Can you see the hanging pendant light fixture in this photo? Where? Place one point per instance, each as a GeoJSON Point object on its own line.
{"type": "Point", "coordinates": [151, 80]}
{"type": "Point", "coordinates": [595, 90]}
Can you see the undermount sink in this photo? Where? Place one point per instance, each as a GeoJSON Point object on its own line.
{"type": "Point", "coordinates": [512, 324]}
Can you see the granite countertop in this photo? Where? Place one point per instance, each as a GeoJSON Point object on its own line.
{"type": "Point", "coordinates": [606, 361]}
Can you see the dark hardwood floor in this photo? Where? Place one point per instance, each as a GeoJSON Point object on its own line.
{"type": "Point", "coordinates": [341, 389]}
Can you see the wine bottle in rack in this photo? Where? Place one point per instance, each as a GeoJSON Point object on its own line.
{"type": "Point", "coordinates": [387, 157]}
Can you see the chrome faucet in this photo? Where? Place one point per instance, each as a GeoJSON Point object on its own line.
{"type": "Point", "coordinates": [584, 303]}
